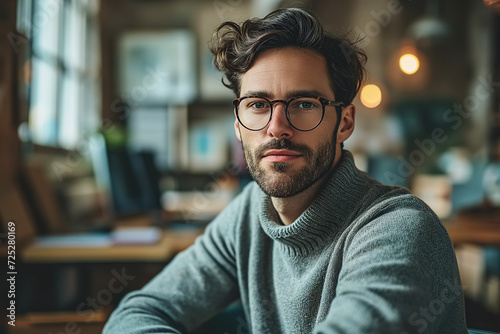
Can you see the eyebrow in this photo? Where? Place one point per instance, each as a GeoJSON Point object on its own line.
{"type": "Point", "coordinates": [289, 95]}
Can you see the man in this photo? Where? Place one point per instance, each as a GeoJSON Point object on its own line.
{"type": "Point", "coordinates": [314, 245]}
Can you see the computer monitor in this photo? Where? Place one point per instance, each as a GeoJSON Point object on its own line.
{"type": "Point", "coordinates": [130, 178]}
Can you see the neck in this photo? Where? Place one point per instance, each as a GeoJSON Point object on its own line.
{"type": "Point", "coordinates": [290, 208]}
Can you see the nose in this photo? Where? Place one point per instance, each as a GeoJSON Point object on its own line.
{"type": "Point", "coordinates": [279, 127]}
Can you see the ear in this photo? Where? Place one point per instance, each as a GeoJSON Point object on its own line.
{"type": "Point", "coordinates": [346, 126]}
{"type": "Point", "coordinates": [237, 129]}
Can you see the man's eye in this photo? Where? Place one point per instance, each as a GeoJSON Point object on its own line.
{"type": "Point", "coordinates": [306, 105]}
{"type": "Point", "coordinates": [301, 105]}
{"type": "Point", "coordinates": [258, 105]}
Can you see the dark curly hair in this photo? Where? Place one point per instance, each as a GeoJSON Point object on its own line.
{"type": "Point", "coordinates": [235, 48]}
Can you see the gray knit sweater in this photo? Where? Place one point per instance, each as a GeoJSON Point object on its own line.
{"type": "Point", "coordinates": [363, 258]}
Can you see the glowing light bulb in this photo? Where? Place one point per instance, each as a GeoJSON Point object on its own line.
{"type": "Point", "coordinates": [371, 96]}
{"type": "Point", "coordinates": [409, 63]}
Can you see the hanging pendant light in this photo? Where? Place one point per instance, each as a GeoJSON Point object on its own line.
{"type": "Point", "coordinates": [431, 29]}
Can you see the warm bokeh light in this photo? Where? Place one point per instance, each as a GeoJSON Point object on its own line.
{"type": "Point", "coordinates": [409, 63]}
{"type": "Point", "coordinates": [371, 96]}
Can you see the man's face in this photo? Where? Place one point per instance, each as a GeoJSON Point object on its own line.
{"type": "Point", "coordinates": [282, 160]}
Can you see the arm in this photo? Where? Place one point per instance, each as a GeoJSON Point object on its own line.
{"type": "Point", "coordinates": [399, 275]}
{"type": "Point", "coordinates": [196, 285]}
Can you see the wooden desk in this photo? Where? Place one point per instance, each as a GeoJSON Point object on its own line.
{"type": "Point", "coordinates": [481, 229]}
{"type": "Point", "coordinates": [171, 243]}
{"type": "Point", "coordinates": [49, 264]}
{"type": "Point", "coordinates": [60, 322]}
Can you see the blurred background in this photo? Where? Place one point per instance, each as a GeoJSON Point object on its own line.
{"type": "Point", "coordinates": [117, 140]}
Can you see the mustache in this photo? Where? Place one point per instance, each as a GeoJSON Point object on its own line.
{"type": "Point", "coordinates": [283, 144]}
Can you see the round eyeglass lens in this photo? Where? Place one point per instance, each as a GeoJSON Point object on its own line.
{"type": "Point", "coordinates": [305, 113]}
{"type": "Point", "coordinates": [254, 113]}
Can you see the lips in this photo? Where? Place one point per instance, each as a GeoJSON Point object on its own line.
{"type": "Point", "coordinates": [280, 155]}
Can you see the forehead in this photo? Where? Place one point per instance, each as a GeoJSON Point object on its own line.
{"type": "Point", "coordinates": [281, 71]}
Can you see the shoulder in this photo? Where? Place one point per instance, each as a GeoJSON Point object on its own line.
{"type": "Point", "coordinates": [249, 197]}
{"type": "Point", "coordinates": [396, 209]}
{"type": "Point", "coordinates": [395, 203]}
{"type": "Point", "coordinates": [397, 250]}
{"type": "Point", "coordinates": [239, 209]}
{"type": "Point", "coordinates": [399, 222]}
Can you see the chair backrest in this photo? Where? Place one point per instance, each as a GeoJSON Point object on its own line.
{"type": "Point", "coordinates": [14, 208]}
{"type": "Point", "coordinates": [44, 198]}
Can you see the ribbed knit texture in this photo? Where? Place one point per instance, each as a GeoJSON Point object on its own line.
{"type": "Point", "coordinates": [363, 258]}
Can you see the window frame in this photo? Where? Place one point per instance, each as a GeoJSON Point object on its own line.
{"type": "Point", "coordinates": [82, 72]}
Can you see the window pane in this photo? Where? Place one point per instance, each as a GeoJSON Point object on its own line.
{"type": "Point", "coordinates": [65, 101]}
{"type": "Point", "coordinates": [93, 7]}
{"type": "Point", "coordinates": [93, 50]}
{"type": "Point", "coordinates": [91, 107]}
{"type": "Point", "coordinates": [45, 26]}
{"type": "Point", "coordinates": [43, 103]}
{"type": "Point", "coordinates": [74, 37]}
{"type": "Point", "coordinates": [24, 17]}
{"type": "Point", "coordinates": [69, 119]}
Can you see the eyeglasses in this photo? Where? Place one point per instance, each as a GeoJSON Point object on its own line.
{"type": "Point", "coordinates": [303, 113]}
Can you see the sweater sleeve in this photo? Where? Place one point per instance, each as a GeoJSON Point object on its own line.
{"type": "Point", "coordinates": [399, 275]}
{"type": "Point", "coordinates": [197, 284]}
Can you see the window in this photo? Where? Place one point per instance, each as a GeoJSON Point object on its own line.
{"type": "Point", "coordinates": [64, 92]}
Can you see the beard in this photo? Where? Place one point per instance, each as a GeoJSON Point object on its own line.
{"type": "Point", "coordinates": [281, 182]}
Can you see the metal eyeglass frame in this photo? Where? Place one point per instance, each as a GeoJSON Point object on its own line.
{"type": "Point", "coordinates": [324, 102]}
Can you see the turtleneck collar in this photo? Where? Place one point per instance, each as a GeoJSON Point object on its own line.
{"type": "Point", "coordinates": [328, 212]}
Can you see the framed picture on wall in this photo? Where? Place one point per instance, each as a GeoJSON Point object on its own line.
{"type": "Point", "coordinates": [157, 67]}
